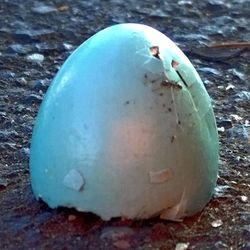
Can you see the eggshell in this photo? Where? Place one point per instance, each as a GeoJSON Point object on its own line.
{"type": "Point", "coordinates": [126, 129]}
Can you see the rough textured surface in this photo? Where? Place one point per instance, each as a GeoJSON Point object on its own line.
{"type": "Point", "coordinates": [116, 125]}
{"type": "Point", "coordinates": [35, 39]}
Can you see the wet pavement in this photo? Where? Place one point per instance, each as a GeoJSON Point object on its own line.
{"type": "Point", "coordinates": [35, 39]}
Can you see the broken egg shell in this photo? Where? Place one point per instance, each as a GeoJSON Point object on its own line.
{"type": "Point", "coordinates": [140, 132]}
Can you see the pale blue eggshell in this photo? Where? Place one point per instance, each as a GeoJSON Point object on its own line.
{"type": "Point", "coordinates": [125, 132]}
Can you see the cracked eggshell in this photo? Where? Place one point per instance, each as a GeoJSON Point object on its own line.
{"type": "Point", "coordinates": [126, 129]}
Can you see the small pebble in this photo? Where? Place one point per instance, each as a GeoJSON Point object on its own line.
{"type": "Point", "coordinates": [216, 2]}
{"type": "Point", "coordinates": [229, 87]}
{"type": "Point", "coordinates": [244, 198]}
{"type": "Point", "coordinates": [185, 2]}
{"type": "Point", "coordinates": [71, 217]}
{"type": "Point", "coordinates": [38, 58]}
{"type": "Point", "coordinates": [68, 46]}
{"type": "Point", "coordinates": [221, 129]}
{"type": "Point", "coordinates": [43, 9]}
{"type": "Point", "coordinates": [22, 81]}
{"type": "Point", "coordinates": [217, 223]}
{"type": "Point", "coordinates": [181, 246]}
{"type": "Point", "coordinates": [207, 82]}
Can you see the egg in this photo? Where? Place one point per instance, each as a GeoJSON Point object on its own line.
{"type": "Point", "coordinates": [126, 129]}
